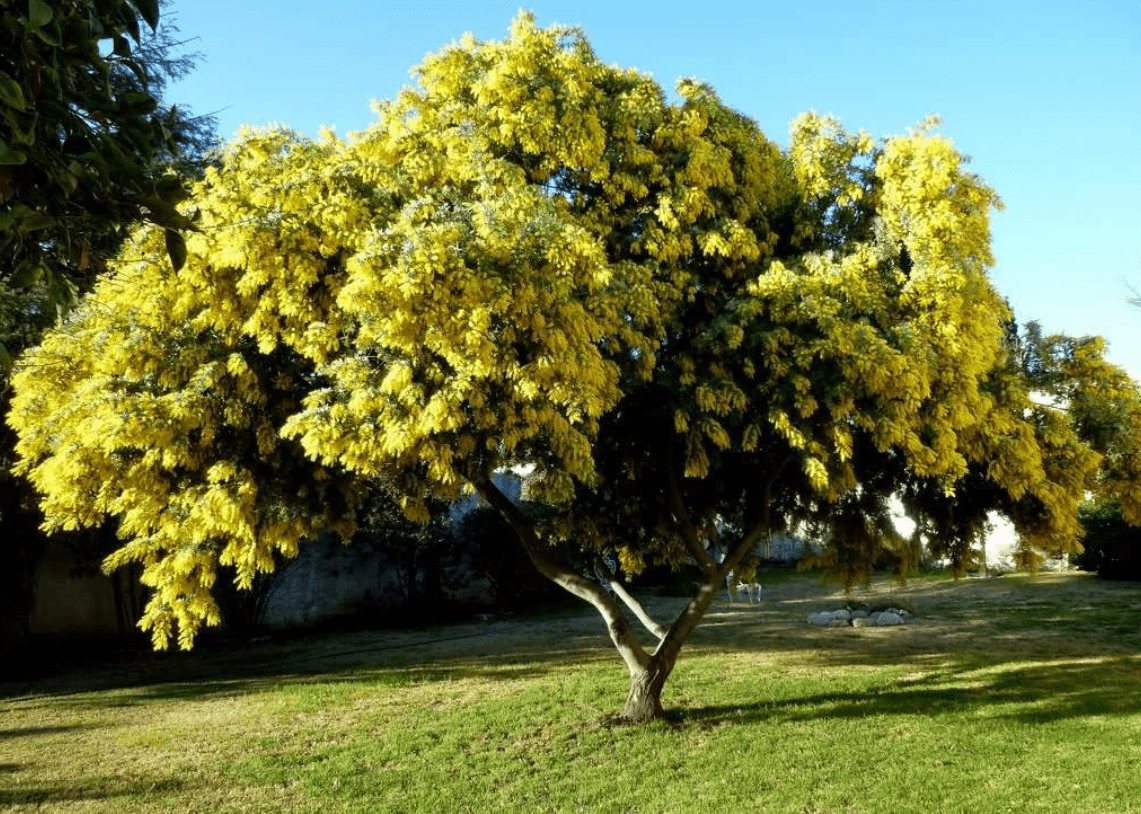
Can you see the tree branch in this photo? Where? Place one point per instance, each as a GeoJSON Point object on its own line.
{"type": "Point", "coordinates": [681, 516]}
{"type": "Point", "coordinates": [621, 632]}
{"type": "Point", "coordinates": [638, 610]}
{"type": "Point", "coordinates": [695, 609]}
{"type": "Point", "coordinates": [762, 528]}
{"type": "Point", "coordinates": [688, 619]}
{"type": "Point", "coordinates": [746, 544]}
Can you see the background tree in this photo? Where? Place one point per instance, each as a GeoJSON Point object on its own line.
{"type": "Point", "coordinates": [487, 539]}
{"type": "Point", "coordinates": [1112, 547]}
{"type": "Point", "coordinates": [693, 340]}
{"type": "Point", "coordinates": [88, 146]}
{"type": "Point", "coordinates": [417, 553]}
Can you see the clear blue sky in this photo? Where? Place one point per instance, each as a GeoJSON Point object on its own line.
{"type": "Point", "coordinates": [1045, 96]}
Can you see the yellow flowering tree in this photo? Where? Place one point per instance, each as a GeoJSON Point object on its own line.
{"type": "Point", "coordinates": [691, 338]}
{"type": "Point", "coordinates": [159, 400]}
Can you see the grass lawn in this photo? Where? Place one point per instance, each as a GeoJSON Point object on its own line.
{"type": "Point", "coordinates": [1016, 694]}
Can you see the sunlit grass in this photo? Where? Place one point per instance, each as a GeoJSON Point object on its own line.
{"type": "Point", "coordinates": [1005, 695]}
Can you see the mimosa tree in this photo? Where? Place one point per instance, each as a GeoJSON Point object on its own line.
{"type": "Point", "coordinates": [693, 339]}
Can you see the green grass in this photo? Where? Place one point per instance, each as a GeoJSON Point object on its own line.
{"type": "Point", "coordinates": [1010, 694]}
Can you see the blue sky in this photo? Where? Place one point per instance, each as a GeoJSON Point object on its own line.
{"type": "Point", "coordinates": [1045, 96]}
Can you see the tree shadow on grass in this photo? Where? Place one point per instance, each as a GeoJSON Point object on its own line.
{"type": "Point", "coordinates": [364, 678]}
{"type": "Point", "coordinates": [104, 790]}
{"type": "Point", "coordinates": [361, 667]}
{"type": "Point", "coordinates": [37, 731]}
{"type": "Point", "coordinates": [1074, 671]}
{"type": "Point", "coordinates": [1086, 633]}
{"type": "Point", "coordinates": [1030, 692]}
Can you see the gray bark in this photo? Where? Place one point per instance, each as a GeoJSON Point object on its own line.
{"type": "Point", "coordinates": [644, 700]}
{"type": "Point", "coordinates": [638, 610]}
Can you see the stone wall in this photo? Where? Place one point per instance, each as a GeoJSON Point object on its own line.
{"type": "Point", "coordinates": [329, 579]}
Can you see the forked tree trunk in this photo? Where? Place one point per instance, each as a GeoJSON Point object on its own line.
{"type": "Point", "coordinates": [648, 671]}
{"type": "Point", "coordinates": [644, 701]}
{"type": "Point", "coordinates": [648, 679]}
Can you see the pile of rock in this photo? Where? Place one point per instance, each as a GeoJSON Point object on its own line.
{"type": "Point", "coordinates": [860, 617]}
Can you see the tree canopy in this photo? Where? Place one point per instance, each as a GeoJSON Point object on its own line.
{"type": "Point", "coordinates": [691, 337]}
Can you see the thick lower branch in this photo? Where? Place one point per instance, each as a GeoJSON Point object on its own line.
{"type": "Point", "coordinates": [621, 632]}
{"type": "Point", "coordinates": [743, 547]}
{"type": "Point", "coordinates": [671, 644]}
{"type": "Point", "coordinates": [681, 517]}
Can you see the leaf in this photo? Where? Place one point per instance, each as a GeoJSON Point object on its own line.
{"type": "Point", "coordinates": [176, 248]}
{"type": "Point", "coordinates": [18, 134]}
{"type": "Point", "coordinates": [34, 221]}
{"type": "Point", "coordinates": [62, 292]}
{"type": "Point", "coordinates": [137, 103]}
{"type": "Point", "coordinates": [39, 14]}
{"type": "Point", "coordinates": [47, 36]}
{"type": "Point", "coordinates": [27, 274]}
{"type": "Point", "coordinates": [11, 93]}
{"type": "Point", "coordinates": [170, 186]}
{"type": "Point", "coordinates": [5, 361]}
{"type": "Point", "coordinates": [10, 157]}
{"type": "Point", "coordinates": [149, 11]}
{"type": "Point", "coordinates": [67, 179]}
{"type": "Point", "coordinates": [161, 211]}
{"type": "Point", "coordinates": [130, 22]}
{"type": "Point", "coordinates": [122, 46]}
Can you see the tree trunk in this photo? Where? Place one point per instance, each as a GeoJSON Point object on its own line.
{"type": "Point", "coordinates": [648, 672]}
{"type": "Point", "coordinates": [644, 701]}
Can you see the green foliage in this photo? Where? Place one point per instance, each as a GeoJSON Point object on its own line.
{"type": "Point", "coordinates": [1086, 416]}
{"type": "Point", "coordinates": [1099, 401]}
{"type": "Point", "coordinates": [419, 553]}
{"type": "Point", "coordinates": [1112, 546]}
{"type": "Point", "coordinates": [87, 145]}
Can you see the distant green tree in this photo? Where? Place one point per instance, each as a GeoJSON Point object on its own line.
{"type": "Point", "coordinates": [485, 536]}
{"type": "Point", "coordinates": [1112, 546]}
{"type": "Point", "coordinates": [416, 552]}
{"type": "Point", "coordinates": [1077, 397]}
{"type": "Point", "coordinates": [88, 147]}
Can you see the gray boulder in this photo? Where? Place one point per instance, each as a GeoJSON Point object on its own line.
{"type": "Point", "coordinates": [858, 618]}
